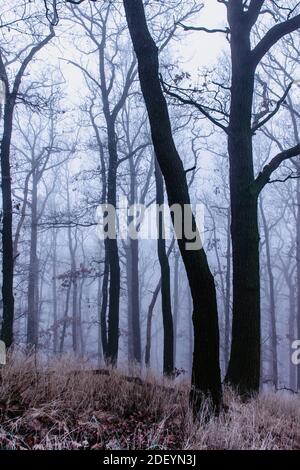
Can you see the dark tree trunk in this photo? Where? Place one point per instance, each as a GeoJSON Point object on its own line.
{"type": "Point", "coordinates": [205, 380]}
{"type": "Point", "coordinates": [176, 303]}
{"type": "Point", "coordinates": [7, 241]}
{"type": "Point", "coordinates": [103, 310]}
{"type": "Point", "coordinates": [99, 343]}
{"type": "Point", "coordinates": [244, 365]}
{"type": "Point", "coordinates": [168, 356]}
{"type": "Point", "coordinates": [227, 296]}
{"type": "Point", "coordinates": [102, 340]}
{"type": "Point", "coordinates": [113, 252]}
{"type": "Point", "coordinates": [150, 314]}
{"type": "Point", "coordinates": [149, 324]}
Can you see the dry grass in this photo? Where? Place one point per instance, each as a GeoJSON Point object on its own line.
{"type": "Point", "coordinates": [49, 407]}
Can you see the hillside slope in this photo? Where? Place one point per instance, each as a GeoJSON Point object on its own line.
{"type": "Point", "coordinates": [54, 407]}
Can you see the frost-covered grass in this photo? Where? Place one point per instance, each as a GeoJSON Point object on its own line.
{"type": "Point", "coordinates": [53, 407]}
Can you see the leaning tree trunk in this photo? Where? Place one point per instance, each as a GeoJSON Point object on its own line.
{"type": "Point", "coordinates": [149, 324]}
{"type": "Point", "coordinates": [206, 381]}
{"type": "Point", "coordinates": [7, 241]}
{"type": "Point", "coordinates": [168, 356]}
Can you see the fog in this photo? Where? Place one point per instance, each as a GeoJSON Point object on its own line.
{"type": "Point", "coordinates": [81, 139]}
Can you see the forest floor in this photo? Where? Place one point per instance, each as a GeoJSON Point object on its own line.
{"type": "Point", "coordinates": [53, 407]}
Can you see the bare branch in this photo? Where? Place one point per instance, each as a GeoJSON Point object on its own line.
{"type": "Point", "coordinates": [191, 102]}
{"type": "Point", "coordinates": [274, 112]}
{"type": "Point", "coordinates": [264, 176]}
{"type": "Point", "coordinates": [274, 34]}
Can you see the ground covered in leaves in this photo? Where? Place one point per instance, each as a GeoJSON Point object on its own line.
{"type": "Point", "coordinates": [66, 406]}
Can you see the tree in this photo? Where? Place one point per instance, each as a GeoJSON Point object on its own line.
{"type": "Point", "coordinates": [12, 97]}
{"type": "Point", "coordinates": [205, 316]}
{"type": "Point", "coordinates": [245, 188]}
{"type": "Point", "coordinates": [106, 85]}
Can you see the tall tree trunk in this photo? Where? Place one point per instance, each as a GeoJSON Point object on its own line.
{"type": "Point", "coordinates": [113, 252]}
{"type": "Point", "coordinates": [206, 381]}
{"type": "Point", "coordinates": [32, 314]}
{"type": "Point", "coordinates": [103, 310]}
{"type": "Point", "coordinates": [227, 295]}
{"type": "Point", "coordinates": [168, 356]}
{"type": "Point", "coordinates": [134, 287]}
{"type": "Point", "coordinates": [102, 340]}
{"type": "Point", "coordinates": [99, 343]}
{"type": "Point", "coordinates": [54, 293]}
{"type": "Point", "coordinates": [272, 298]}
{"type": "Point", "coordinates": [65, 319]}
{"type": "Point", "coordinates": [7, 241]}
{"type": "Point", "coordinates": [149, 324]}
{"type": "Point", "coordinates": [73, 279]}
{"type": "Point", "coordinates": [190, 330]}
{"type": "Point", "coordinates": [150, 314]}
{"type": "Point", "coordinates": [129, 305]}
{"type": "Point", "coordinates": [80, 326]}
{"type": "Point", "coordinates": [176, 303]}
{"type": "Point", "coordinates": [244, 365]}
{"type": "Point", "coordinates": [292, 324]}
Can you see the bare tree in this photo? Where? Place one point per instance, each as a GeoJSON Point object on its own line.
{"type": "Point", "coordinates": [12, 96]}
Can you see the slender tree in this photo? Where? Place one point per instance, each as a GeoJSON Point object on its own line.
{"type": "Point", "coordinates": [11, 97]}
